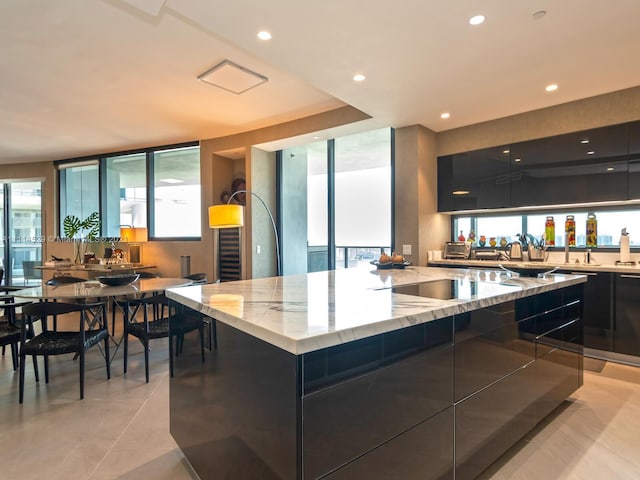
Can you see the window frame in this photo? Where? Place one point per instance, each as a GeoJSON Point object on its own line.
{"type": "Point", "coordinates": [101, 161]}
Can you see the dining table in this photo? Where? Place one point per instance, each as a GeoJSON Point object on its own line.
{"type": "Point", "coordinates": [93, 290]}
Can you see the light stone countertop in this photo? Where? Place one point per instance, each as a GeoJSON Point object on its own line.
{"type": "Point", "coordinates": [303, 313]}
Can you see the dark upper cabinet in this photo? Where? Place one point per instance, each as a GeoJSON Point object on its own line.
{"type": "Point", "coordinates": [587, 166]}
{"type": "Point", "coordinates": [634, 160]}
{"type": "Point", "coordinates": [474, 180]}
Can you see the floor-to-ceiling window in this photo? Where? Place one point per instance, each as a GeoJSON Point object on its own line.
{"type": "Point", "coordinates": [335, 202]}
{"type": "Point", "coordinates": [156, 188]}
{"type": "Point", "coordinates": [21, 224]}
{"type": "Point", "coordinates": [362, 196]}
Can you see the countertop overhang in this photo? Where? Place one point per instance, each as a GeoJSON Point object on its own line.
{"type": "Point", "coordinates": [304, 313]}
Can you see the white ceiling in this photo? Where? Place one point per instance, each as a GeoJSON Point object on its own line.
{"type": "Point", "coordinates": [90, 76]}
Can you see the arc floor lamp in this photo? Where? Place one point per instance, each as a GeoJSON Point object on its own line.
{"type": "Point", "coordinates": [232, 216]}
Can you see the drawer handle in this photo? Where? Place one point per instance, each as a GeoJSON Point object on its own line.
{"type": "Point", "coordinates": [589, 274]}
{"type": "Point", "coordinates": [630, 276]}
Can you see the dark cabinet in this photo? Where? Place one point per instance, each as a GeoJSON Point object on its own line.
{"type": "Point", "coordinates": [634, 161]}
{"type": "Point", "coordinates": [626, 337]}
{"type": "Point", "coordinates": [598, 309]}
{"type": "Point", "coordinates": [587, 166]}
{"type": "Point", "coordinates": [602, 164]}
{"type": "Point", "coordinates": [474, 180]}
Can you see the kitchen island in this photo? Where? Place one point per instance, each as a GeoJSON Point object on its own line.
{"type": "Point", "coordinates": [414, 373]}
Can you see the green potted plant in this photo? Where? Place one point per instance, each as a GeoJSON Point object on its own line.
{"type": "Point", "coordinates": [74, 229]}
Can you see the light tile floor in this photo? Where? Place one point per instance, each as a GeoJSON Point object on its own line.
{"type": "Point", "coordinates": [121, 429]}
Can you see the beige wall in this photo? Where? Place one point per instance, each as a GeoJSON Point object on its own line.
{"type": "Point", "coordinates": [417, 222]}
{"type": "Point", "coordinates": [609, 109]}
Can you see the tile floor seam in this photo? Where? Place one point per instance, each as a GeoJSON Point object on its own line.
{"type": "Point", "coordinates": [124, 431]}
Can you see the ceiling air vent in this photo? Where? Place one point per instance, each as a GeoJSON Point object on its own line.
{"type": "Point", "coordinates": [232, 77]}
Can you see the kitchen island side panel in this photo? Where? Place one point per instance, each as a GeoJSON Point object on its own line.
{"type": "Point", "coordinates": [237, 415]}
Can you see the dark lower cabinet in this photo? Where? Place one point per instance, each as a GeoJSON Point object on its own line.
{"type": "Point", "coordinates": [598, 309]}
{"type": "Point", "coordinates": [626, 337]}
{"type": "Point", "coordinates": [425, 452]}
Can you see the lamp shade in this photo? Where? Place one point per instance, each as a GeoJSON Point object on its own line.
{"type": "Point", "coordinates": [226, 216]}
{"type": "Point", "coordinates": [133, 234]}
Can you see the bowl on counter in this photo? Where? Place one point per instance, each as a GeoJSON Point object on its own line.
{"type": "Point", "coordinates": [118, 280]}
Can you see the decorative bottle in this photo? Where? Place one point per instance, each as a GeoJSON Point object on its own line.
{"type": "Point", "coordinates": [570, 230]}
{"type": "Point", "coordinates": [592, 230]}
{"type": "Point", "coordinates": [550, 231]}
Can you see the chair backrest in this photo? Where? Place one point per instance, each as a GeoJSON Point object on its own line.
{"type": "Point", "coordinates": [197, 277]}
{"type": "Point", "coordinates": [29, 270]}
{"type": "Point", "coordinates": [41, 310]}
{"type": "Point", "coordinates": [64, 280]}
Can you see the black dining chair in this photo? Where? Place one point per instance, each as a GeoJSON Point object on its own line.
{"type": "Point", "coordinates": [10, 317]}
{"type": "Point", "coordinates": [92, 329]}
{"type": "Point", "coordinates": [11, 328]}
{"type": "Point", "coordinates": [174, 325]}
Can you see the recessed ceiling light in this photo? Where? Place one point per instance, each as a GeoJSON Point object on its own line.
{"type": "Point", "coordinates": [551, 88]}
{"type": "Point", "coordinates": [358, 77]}
{"type": "Point", "coordinates": [316, 137]}
{"type": "Point", "coordinates": [476, 20]}
{"type": "Point", "coordinates": [590, 152]}
{"type": "Point", "coordinates": [610, 169]}
{"type": "Point", "coordinates": [539, 14]}
{"type": "Point", "coordinates": [461, 192]}
{"type": "Point", "coordinates": [517, 159]}
{"type": "Point", "coordinates": [445, 115]}
{"type": "Point", "coordinates": [171, 180]}
{"type": "Point", "coordinates": [264, 35]}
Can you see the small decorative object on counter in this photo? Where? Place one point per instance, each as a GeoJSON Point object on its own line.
{"type": "Point", "coordinates": [492, 241]}
{"type": "Point", "coordinates": [550, 231]}
{"type": "Point", "coordinates": [503, 242]}
{"type": "Point", "coordinates": [461, 236]}
{"type": "Point", "coordinates": [472, 236]}
{"type": "Point", "coordinates": [592, 230]}
{"type": "Point", "coordinates": [570, 230]}
{"type": "Point", "coordinates": [483, 241]}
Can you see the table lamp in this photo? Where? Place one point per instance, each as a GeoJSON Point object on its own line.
{"type": "Point", "coordinates": [232, 216]}
{"type": "Point", "coordinates": [134, 236]}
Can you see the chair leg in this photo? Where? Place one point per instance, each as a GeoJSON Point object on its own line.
{"type": "Point", "coordinates": [107, 357]}
{"type": "Point", "coordinates": [146, 360]}
{"type": "Point", "coordinates": [125, 347]}
{"type": "Point", "coordinates": [36, 373]}
{"type": "Point", "coordinates": [46, 368]}
{"type": "Point", "coordinates": [14, 356]}
{"type": "Point", "coordinates": [21, 394]}
{"type": "Point", "coordinates": [81, 374]}
{"type": "Point", "coordinates": [3, 346]}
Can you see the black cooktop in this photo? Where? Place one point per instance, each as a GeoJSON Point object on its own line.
{"type": "Point", "coordinates": [440, 289]}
